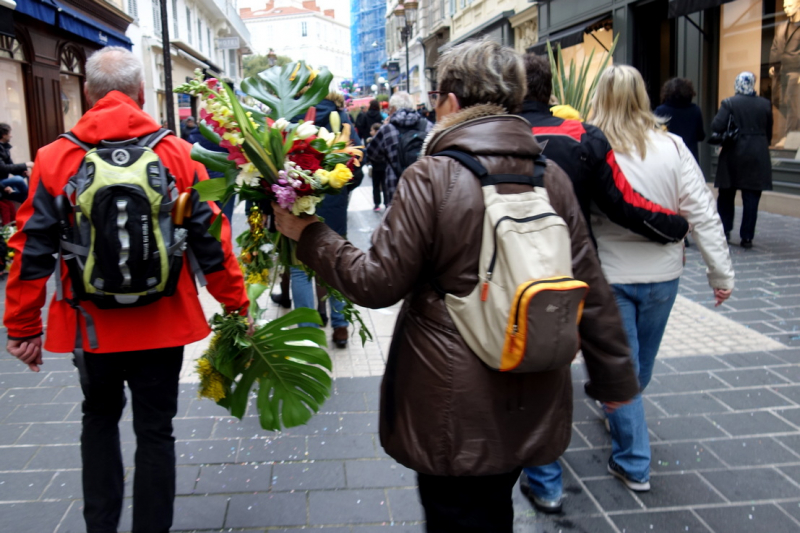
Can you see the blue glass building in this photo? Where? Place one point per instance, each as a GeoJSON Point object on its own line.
{"type": "Point", "coordinates": [368, 39]}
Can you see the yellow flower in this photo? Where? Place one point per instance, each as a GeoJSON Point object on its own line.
{"type": "Point", "coordinates": [339, 176]}
{"type": "Point", "coordinates": [211, 381]}
{"type": "Point", "coordinates": [258, 278]}
{"type": "Point", "coordinates": [322, 175]}
{"type": "Point", "coordinates": [565, 112]}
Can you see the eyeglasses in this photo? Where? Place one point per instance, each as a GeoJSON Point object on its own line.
{"type": "Point", "coordinates": [433, 97]}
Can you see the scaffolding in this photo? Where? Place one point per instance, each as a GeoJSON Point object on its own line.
{"type": "Point", "coordinates": [368, 41]}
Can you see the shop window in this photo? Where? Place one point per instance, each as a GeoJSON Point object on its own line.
{"type": "Point", "coordinates": [199, 34]}
{"type": "Point", "coordinates": [72, 73]}
{"type": "Point", "coordinates": [175, 24]}
{"type": "Point", "coordinates": [156, 17]}
{"type": "Point", "coordinates": [599, 42]}
{"type": "Point", "coordinates": [133, 9]}
{"type": "Point", "coordinates": [304, 29]}
{"type": "Point", "coordinates": [763, 37]}
{"type": "Point", "coordinates": [13, 109]}
{"type": "Point", "coordinates": [189, 24]}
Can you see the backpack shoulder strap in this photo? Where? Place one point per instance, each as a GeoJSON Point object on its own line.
{"type": "Point", "coordinates": [152, 139]}
{"type": "Point", "coordinates": [469, 161]}
{"type": "Point", "coordinates": [71, 137]}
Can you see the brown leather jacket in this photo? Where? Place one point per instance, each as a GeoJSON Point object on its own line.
{"type": "Point", "coordinates": [443, 412]}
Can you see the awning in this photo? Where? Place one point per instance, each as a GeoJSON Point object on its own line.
{"type": "Point", "coordinates": [480, 30]}
{"type": "Point", "coordinates": [569, 37]}
{"type": "Point", "coordinates": [82, 26]}
{"type": "Point", "coordinates": [6, 22]}
{"type": "Point", "coordinates": [679, 8]}
{"type": "Point", "coordinates": [44, 10]}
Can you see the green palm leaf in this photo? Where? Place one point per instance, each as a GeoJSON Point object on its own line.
{"type": "Point", "coordinates": [278, 89]}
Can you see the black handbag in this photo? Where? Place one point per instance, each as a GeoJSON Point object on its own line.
{"type": "Point", "coordinates": [727, 137]}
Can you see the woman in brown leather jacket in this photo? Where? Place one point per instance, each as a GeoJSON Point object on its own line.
{"type": "Point", "coordinates": [465, 428]}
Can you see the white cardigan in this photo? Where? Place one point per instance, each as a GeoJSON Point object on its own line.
{"type": "Point", "coordinates": [668, 176]}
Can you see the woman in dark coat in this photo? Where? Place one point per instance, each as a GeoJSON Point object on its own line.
{"type": "Point", "coordinates": [744, 164]}
{"type": "Point", "coordinates": [684, 118]}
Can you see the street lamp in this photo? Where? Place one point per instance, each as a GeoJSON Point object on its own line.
{"type": "Point", "coordinates": [406, 15]}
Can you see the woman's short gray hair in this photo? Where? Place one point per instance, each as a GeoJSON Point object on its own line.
{"type": "Point", "coordinates": [401, 100]}
{"type": "Point", "coordinates": [483, 72]}
{"type": "Point", "coordinates": [113, 68]}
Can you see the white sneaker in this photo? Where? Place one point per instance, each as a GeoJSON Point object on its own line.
{"type": "Point", "coordinates": [617, 472]}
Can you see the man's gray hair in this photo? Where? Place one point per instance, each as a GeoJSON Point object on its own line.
{"type": "Point", "coordinates": [113, 68]}
{"type": "Point", "coordinates": [401, 100]}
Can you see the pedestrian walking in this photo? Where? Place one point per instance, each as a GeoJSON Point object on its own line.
{"type": "Point", "coordinates": [744, 162]}
{"type": "Point", "coordinates": [465, 428]}
{"type": "Point", "coordinates": [13, 185]}
{"type": "Point", "coordinates": [683, 117]}
{"type": "Point", "coordinates": [142, 345]}
{"type": "Point", "coordinates": [584, 153]}
{"type": "Point", "coordinates": [378, 174]}
{"type": "Point", "coordinates": [645, 275]}
{"type": "Point", "coordinates": [367, 118]}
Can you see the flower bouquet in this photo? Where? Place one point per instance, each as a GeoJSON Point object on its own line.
{"type": "Point", "coordinates": [270, 157]}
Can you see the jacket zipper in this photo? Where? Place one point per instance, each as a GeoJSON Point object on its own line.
{"type": "Point", "coordinates": [519, 301]}
{"type": "Point", "coordinates": [490, 270]}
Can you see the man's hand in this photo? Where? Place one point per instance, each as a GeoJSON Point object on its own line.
{"type": "Point", "coordinates": [8, 190]}
{"type": "Point", "coordinates": [29, 351]}
{"type": "Point", "coordinates": [720, 295]}
{"type": "Point", "coordinates": [290, 225]}
{"type": "Point", "coordinates": [610, 407]}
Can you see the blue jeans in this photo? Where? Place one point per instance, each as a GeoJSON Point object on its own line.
{"type": "Point", "coordinates": [545, 481]}
{"type": "Point", "coordinates": [303, 296]}
{"type": "Point", "coordinates": [645, 309]}
{"type": "Point", "coordinates": [17, 183]}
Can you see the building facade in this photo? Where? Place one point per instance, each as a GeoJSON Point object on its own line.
{"type": "Point", "coordinates": [368, 42]}
{"type": "Point", "coordinates": [302, 31]}
{"type": "Point", "coordinates": [204, 34]}
{"type": "Point", "coordinates": [43, 49]}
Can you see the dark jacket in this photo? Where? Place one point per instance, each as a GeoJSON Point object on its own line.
{"type": "Point", "coordinates": [745, 163]}
{"type": "Point", "coordinates": [364, 122]}
{"type": "Point", "coordinates": [443, 411]}
{"type": "Point", "coordinates": [583, 152]}
{"type": "Point", "coordinates": [685, 121]}
{"type": "Point", "coordinates": [193, 136]}
{"type": "Point", "coordinates": [7, 166]}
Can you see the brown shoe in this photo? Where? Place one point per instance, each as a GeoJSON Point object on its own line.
{"type": "Point", "coordinates": [340, 337]}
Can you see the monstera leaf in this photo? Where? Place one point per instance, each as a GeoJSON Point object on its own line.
{"type": "Point", "coordinates": [279, 88]}
{"type": "Point", "coordinates": [291, 384]}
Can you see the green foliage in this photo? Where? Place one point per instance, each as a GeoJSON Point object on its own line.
{"type": "Point", "coordinates": [382, 98]}
{"type": "Point", "coordinates": [574, 87]}
{"type": "Point", "coordinates": [279, 89]}
{"type": "Point", "coordinates": [253, 64]}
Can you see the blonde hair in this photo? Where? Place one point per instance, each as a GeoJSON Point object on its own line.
{"type": "Point", "coordinates": [483, 72]}
{"type": "Point", "coordinates": [337, 98]}
{"type": "Point", "coordinates": [621, 109]}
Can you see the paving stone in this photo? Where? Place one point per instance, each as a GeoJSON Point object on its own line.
{"type": "Point", "coordinates": [320, 424]}
{"type": "Point", "coordinates": [10, 433]}
{"type": "Point", "coordinates": [20, 486]}
{"type": "Point", "coordinates": [29, 395]}
{"type": "Point", "coordinates": [683, 428]}
{"type": "Point", "coordinates": [348, 507]}
{"type": "Point", "coordinates": [594, 433]}
{"type": "Point", "coordinates": [752, 484]}
{"type": "Point", "coordinates": [689, 404]}
{"type": "Point", "coordinates": [69, 395]}
{"type": "Point", "coordinates": [792, 392]}
{"type": "Point", "coordinates": [367, 384]}
{"type": "Point", "coordinates": [52, 433]}
{"type": "Point", "coordinates": [405, 505]}
{"type": "Point", "coordinates": [192, 512]}
{"type": "Point", "coordinates": [566, 524]}
{"type": "Point", "coordinates": [743, 317]}
{"type": "Point", "coordinates": [791, 372]}
{"type": "Point", "coordinates": [793, 508]}
{"type": "Point", "coordinates": [378, 473]}
{"type": "Point", "coordinates": [752, 423]}
{"type": "Point", "coordinates": [60, 379]}
{"type": "Point", "coordinates": [745, 360]}
{"type": "Point", "coordinates": [791, 355]}
{"type": "Point", "coordinates": [233, 478]}
{"type": "Point", "coordinates": [586, 411]}
{"type": "Point", "coordinates": [314, 475]}
{"type": "Point", "coordinates": [45, 412]}
{"type": "Point", "coordinates": [316, 530]}
{"type": "Point", "coordinates": [675, 490]}
{"type": "Point", "coordinates": [746, 519]}
{"type": "Point", "coordinates": [228, 427]}
{"type": "Point", "coordinates": [341, 447]}
{"type": "Point", "coordinates": [26, 379]}
{"type": "Point", "coordinates": [746, 305]}
{"type": "Point", "coordinates": [358, 423]}
{"type": "Point", "coordinates": [272, 450]}
{"type": "Point", "coordinates": [345, 402]}
{"type": "Point", "coordinates": [206, 451]}
{"type": "Point", "coordinates": [395, 528]}
{"type": "Point", "coordinates": [753, 451]}
{"type": "Point", "coordinates": [752, 377]}
{"type": "Point", "coordinates": [683, 456]}
{"type": "Point", "coordinates": [56, 457]}
{"type": "Point", "coordinates": [187, 428]}
{"type": "Point", "coordinates": [611, 494]}
{"type": "Point", "coordinates": [701, 381]}
{"type": "Point", "coordinates": [664, 522]}
{"type": "Point", "coordinates": [66, 485]}
{"type": "Point", "coordinates": [373, 401]}
{"type": "Point", "coordinates": [588, 463]}
{"type": "Point", "coordinates": [791, 414]}
{"type": "Point", "coordinates": [750, 399]}
{"type": "Point", "coordinates": [34, 516]}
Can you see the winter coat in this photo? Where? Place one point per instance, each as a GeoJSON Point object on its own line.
{"type": "Point", "coordinates": [685, 121]}
{"type": "Point", "coordinates": [745, 163]}
{"type": "Point", "coordinates": [670, 176]}
{"type": "Point", "coordinates": [366, 120]}
{"type": "Point", "coordinates": [443, 411]}
{"type": "Point", "coordinates": [172, 321]}
{"type": "Point", "coordinates": [7, 166]}
{"type": "Point", "coordinates": [583, 152]}
{"type": "Point", "coordinates": [194, 136]}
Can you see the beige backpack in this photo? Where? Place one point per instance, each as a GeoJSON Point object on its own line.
{"type": "Point", "coordinates": [523, 315]}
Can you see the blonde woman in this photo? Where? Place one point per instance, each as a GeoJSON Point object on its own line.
{"type": "Point", "coordinates": [644, 275]}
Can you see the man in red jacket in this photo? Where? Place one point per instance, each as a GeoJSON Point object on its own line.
{"type": "Point", "coordinates": [142, 346]}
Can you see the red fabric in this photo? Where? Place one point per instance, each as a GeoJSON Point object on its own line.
{"type": "Point", "coordinates": [631, 196]}
{"type": "Point", "coordinates": [571, 128]}
{"type": "Point", "coordinates": [8, 212]}
{"type": "Point", "coordinates": [174, 321]}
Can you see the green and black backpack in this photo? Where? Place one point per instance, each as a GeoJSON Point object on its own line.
{"type": "Point", "coordinates": [118, 238]}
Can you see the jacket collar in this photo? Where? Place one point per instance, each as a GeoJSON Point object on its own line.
{"type": "Point", "coordinates": [458, 118]}
{"type": "Point", "coordinates": [114, 117]}
{"type": "Point", "coordinates": [532, 106]}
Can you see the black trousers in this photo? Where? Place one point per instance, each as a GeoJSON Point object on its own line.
{"type": "Point", "coordinates": [479, 504]}
{"type": "Point", "coordinates": [152, 376]}
{"type": "Point", "coordinates": [378, 186]}
{"type": "Point", "coordinates": [725, 207]}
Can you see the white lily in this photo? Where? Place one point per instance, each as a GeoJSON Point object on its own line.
{"type": "Point", "coordinates": [281, 124]}
{"type": "Point", "coordinates": [305, 130]}
{"type": "Point", "coordinates": [327, 136]}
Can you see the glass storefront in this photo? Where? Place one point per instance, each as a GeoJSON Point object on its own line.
{"type": "Point", "coordinates": [12, 101]}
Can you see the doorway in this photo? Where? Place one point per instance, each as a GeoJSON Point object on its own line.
{"type": "Point", "coordinates": [654, 50]}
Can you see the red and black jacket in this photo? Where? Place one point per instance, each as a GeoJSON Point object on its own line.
{"type": "Point", "coordinates": [583, 152]}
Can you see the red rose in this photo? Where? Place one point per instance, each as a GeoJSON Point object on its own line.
{"type": "Point", "coordinates": [304, 189]}
{"type": "Point", "coordinates": [305, 161]}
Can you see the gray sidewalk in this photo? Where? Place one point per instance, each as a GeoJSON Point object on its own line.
{"type": "Point", "coordinates": [723, 411]}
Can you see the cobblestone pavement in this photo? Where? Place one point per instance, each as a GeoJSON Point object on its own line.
{"type": "Point", "coordinates": [723, 411]}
